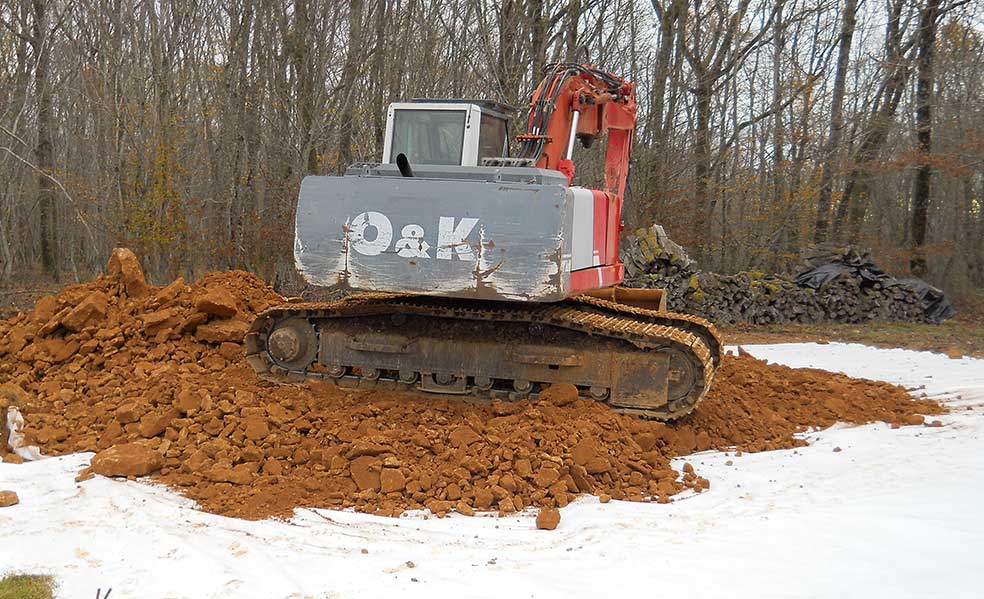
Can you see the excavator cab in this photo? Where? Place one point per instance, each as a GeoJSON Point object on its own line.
{"type": "Point", "coordinates": [447, 132]}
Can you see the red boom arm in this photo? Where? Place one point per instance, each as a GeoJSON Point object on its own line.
{"type": "Point", "coordinates": [581, 101]}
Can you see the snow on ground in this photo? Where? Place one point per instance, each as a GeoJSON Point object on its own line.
{"type": "Point", "coordinates": [896, 513]}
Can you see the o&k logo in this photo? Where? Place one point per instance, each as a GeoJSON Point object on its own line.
{"type": "Point", "coordinates": [371, 234]}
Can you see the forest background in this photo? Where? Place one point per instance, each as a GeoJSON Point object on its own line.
{"type": "Point", "coordinates": [182, 128]}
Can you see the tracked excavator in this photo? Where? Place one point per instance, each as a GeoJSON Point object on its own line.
{"type": "Point", "coordinates": [483, 274]}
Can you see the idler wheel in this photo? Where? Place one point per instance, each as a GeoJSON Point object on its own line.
{"type": "Point", "coordinates": [293, 344]}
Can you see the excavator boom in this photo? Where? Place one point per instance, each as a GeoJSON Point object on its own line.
{"type": "Point", "coordinates": [580, 102]}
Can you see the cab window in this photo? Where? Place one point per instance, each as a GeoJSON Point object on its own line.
{"type": "Point", "coordinates": [429, 136]}
{"type": "Point", "coordinates": [491, 138]}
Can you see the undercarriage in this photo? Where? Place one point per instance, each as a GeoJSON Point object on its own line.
{"type": "Point", "coordinates": [644, 362]}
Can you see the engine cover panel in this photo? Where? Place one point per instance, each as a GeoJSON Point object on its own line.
{"type": "Point", "coordinates": [476, 239]}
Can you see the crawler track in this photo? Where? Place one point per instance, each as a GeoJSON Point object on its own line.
{"type": "Point", "coordinates": [652, 364]}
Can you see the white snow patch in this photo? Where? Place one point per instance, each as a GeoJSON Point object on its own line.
{"type": "Point", "coordinates": [897, 513]}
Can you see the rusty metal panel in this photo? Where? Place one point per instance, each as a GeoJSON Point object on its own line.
{"type": "Point", "coordinates": [479, 239]}
{"type": "Point", "coordinates": [641, 380]}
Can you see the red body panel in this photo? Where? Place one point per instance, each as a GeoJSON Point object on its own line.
{"type": "Point", "coordinates": [598, 277]}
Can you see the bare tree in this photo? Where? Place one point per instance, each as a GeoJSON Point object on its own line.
{"type": "Point", "coordinates": [928, 20]}
{"type": "Point", "coordinates": [347, 86]}
{"type": "Point", "coordinates": [848, 24]}
{"type": "Point", "coordinates": [897, 67]}
{"type": "Point", "coordinates": [719, 41]}
{"type": "Point", "coordinates": [40, 41]}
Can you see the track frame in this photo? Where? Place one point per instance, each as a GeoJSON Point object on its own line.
{"type": "Point", "coordinates": [627, 357]}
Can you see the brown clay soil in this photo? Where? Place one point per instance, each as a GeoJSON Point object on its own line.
{"type": "Point", "coordinates": [116, 361]}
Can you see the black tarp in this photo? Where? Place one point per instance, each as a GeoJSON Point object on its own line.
{"type": "Point", "coordinates": [823, 274]}
{"type": "Point", "coordinates": [936, 305]}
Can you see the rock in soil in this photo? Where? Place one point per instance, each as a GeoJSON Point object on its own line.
{"type": "Point", "coordinates": [152, 368]}
{"type": "Point", "coordinates": [217, 302]}
{"type": "Point", "coordinates": [548, 518]}
{"type": "Point", "coordinates": [129, 459]}
{"type": "Point", "coordinates": [124, 265]}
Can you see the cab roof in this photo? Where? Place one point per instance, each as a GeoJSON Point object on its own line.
{"type": "Point", "coordinates": [498, 109]}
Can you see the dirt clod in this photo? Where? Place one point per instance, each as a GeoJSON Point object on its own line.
{"type": "Point", "coordinates": [129, 459]}
{"type": "Point", "coordinates": [89, 312]}
{"type": "Point", "coordinates": [8, 498]}
{"type": "Point", "coordinates": [124, 265]}
{"type": "Point", "coordinates": [391, 479]}
{"type": "Point", "coordinates": [463, 436]}
{"type": "Point", "coordinates": [548, 518]}
{"type": "Point", "coordinates": [217, 302]}
{"type": "Point", "coordinates": [223, 331]}
{"type": "Point", "coordinates": [560, 394]}
{"type": "Point", "coordinates": [154, 368]}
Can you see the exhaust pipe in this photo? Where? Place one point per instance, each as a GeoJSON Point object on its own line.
{"type": "Point", "coordinates": [403, 163]}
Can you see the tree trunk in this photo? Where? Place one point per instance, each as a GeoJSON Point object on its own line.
{"type": "Point", "coordinates": [505, 59]}
{"type": "Point", "coordinates": [879, 124]}
{"type": "Point", "coordinates": [570, 35]}
{"type": "Point", "coordinates": [538, 37]}
{"type": "Point", "coordinates": [778, 128]}
{"type": "Point", "coordinates": [667, 19]}
{"type": "Point", "coordinates": [41, 43]}
{"type": "Point", "coordinates": [300, 54]}
{"type": "Point", "coordinates": [836, 121]}
{"type": "Point", "coordinates": [379, 58]}
{"type": "Point", "coordinates": [702, 165]}
{"type": "Point", "coordinates": [349, 73]}
{"type": "Point", "coordinates": [656, 169]}
{"type": "Point", "coordinates": [924, 133]}
{"type": "Point", "coordinates": [856, 191]}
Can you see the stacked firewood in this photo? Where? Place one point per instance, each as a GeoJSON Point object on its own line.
{"type": "Point", "coordinates": [838, 284]}
{"type": "Point", "coordinates": [654, 260]}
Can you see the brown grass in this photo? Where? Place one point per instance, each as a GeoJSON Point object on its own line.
{"type": "Point", "coordinates": [27, 586]}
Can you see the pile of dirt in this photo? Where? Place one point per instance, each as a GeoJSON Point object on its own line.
{"type": "Point", "coordinates": [118, 365]}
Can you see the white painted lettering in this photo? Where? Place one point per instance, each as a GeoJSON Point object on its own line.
{"type": "Point", "coordinates": [356, 233]}
{"type": "Point", "coordinates": [455, 238]}
{"type": "Point", "coordinates": [412, 244]}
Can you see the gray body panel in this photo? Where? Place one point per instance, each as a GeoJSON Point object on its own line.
{"type": "Point", "coordinates": [469, 232]}
{"type": "Point", "coordinates": [489, 174]}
